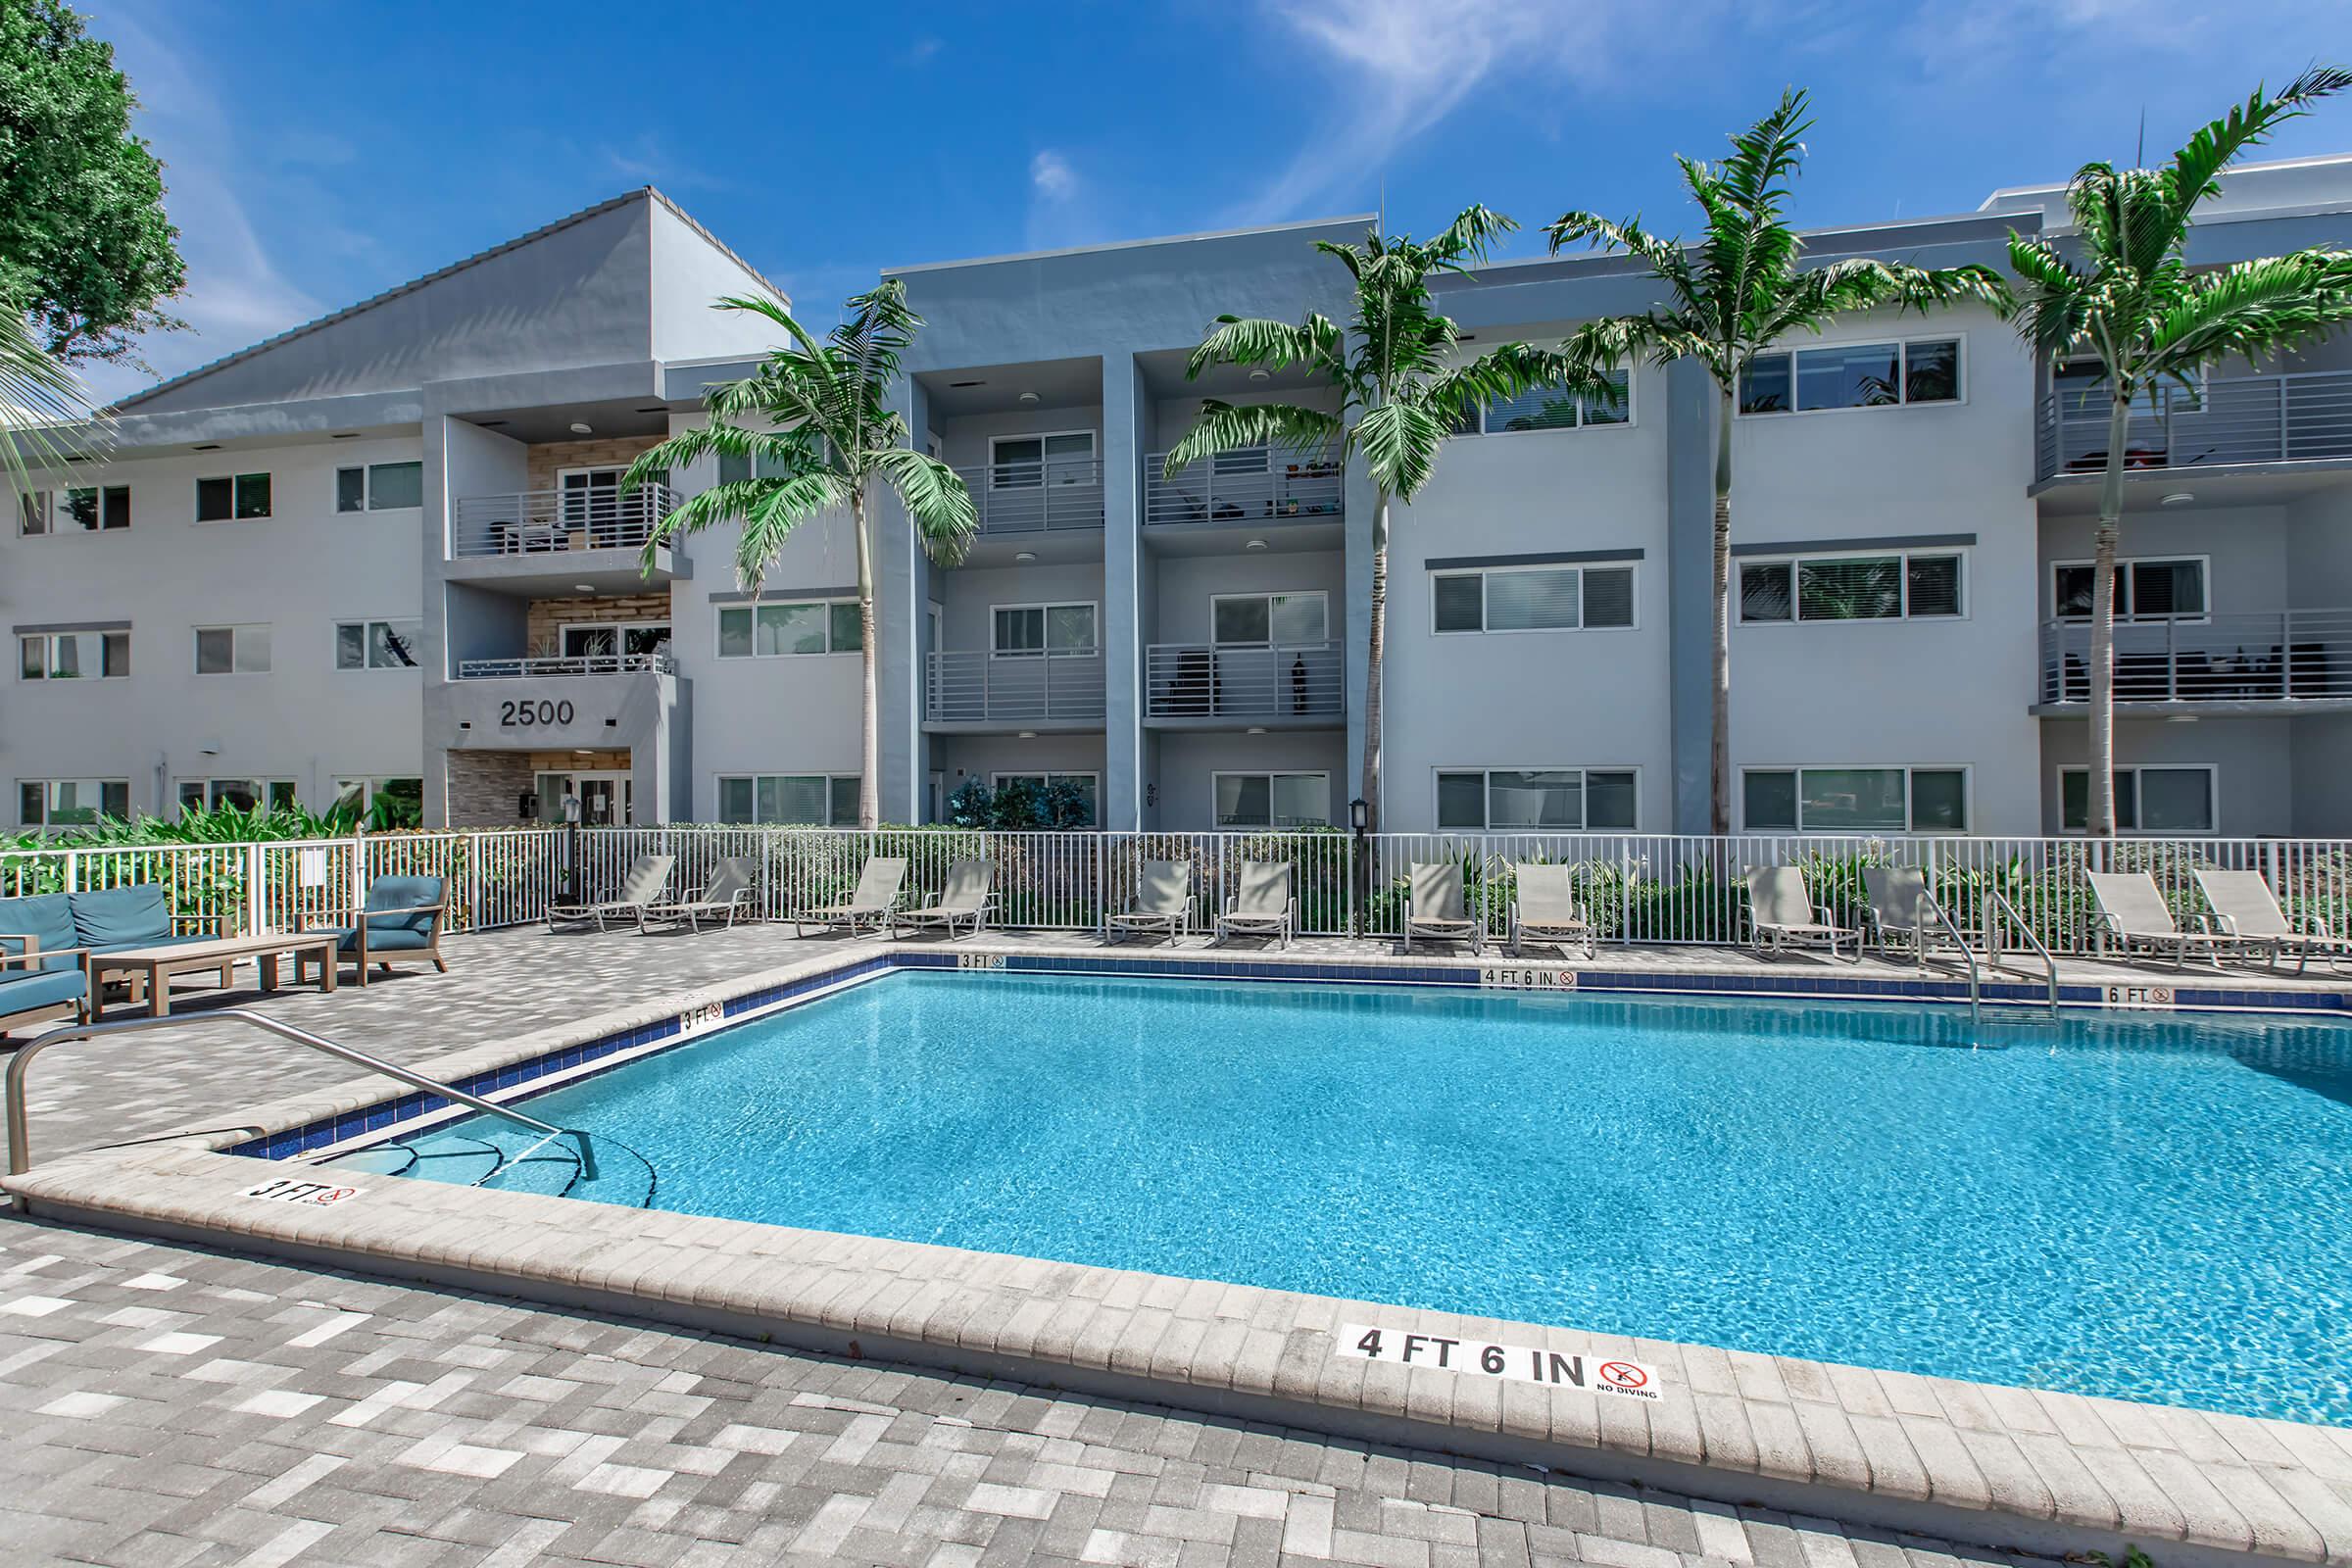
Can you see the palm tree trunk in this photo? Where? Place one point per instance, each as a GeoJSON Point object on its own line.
{"type": "Point", "coordinates": [1719, 737]}
{"type": "Point", "coordinates": [1377, 628]}
{"type": "Point", "coordinates": [869, 738]}
{"type": "Point", "coordinates": [2099, 815]}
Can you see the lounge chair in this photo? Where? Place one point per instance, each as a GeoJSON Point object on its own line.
{"type": "Point", "coordinates": [879, 881]}
{"type": "Point", "coordinates": [642, 889]}
{"type": "Point", "coordinates": [965, 896]}
{"type": "Point", "coordinates": [1898, 910]}
{"type": "Point", "coordinates": [1780, 910]}
{"type": "Point", "coordinates": [1545, 909]}
{"type": "Point", "coordinates": [1164, 903]}
{"type": "Point", "coordinates": [1261, 903]}
{"type": "Point", "coordinates": [69, 927]}
{"type": "Point", "coordinates": [402, 919]}
{"type": "Point", "coordinates": [2132, 912]}
{"type": "Point", "coordinates": [726, 896]}
{"type": "Point", "coordinates": [1435, 908]}
{"type": "Point", "coordinates": [2249, 918]}
{"type": "Point", "coordinates": [41, 977]}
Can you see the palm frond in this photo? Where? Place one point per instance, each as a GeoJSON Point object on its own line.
{"type": "Point", "coordinates": [1665, 256]}
{"type": "Point", "coordinates": [775, 508]}
{"type": "Point", "coordinates": [1399, 443]}
{"type": "Point", "coordinates": [937, 500]}
{"type": "Point", "coordinates": [1233, 427]}
{"type": "Point", "coordinates": [1468, 238]}
{"type": "Point", "coordinates": [2195, 170]}
{"type": "Point", "coordinates": [46, 418]}
{"type": "Point", "coordinates": [1254, 340]}
{"type": "Point", "coordinates": [2251, 310]}
{"type": "Point", "coordinates": [2048, 307]}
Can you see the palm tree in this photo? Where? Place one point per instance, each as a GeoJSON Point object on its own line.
{"type": "Point", "coordinates": [1401, 389]}
{"type": "Point", "coordinates": [45, 411]}
{"type": "Point", "coordinates": [2129, 296]}
{"type": "Point", "coordinates": [1739, 291]}
{"type": "Point", "coordinates": [827, 433]}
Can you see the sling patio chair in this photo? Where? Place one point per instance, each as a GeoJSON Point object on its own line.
{"type": "Point", "coordinates": [1162, 903]}
{"type": "Point", "coordinates": [1261, 903]}
{"type": "Point", "coordinates": [2131, 910]}
{"type": "Point", "coordinates": [1899, 913]}
{"type": "Point", "coordinates": [1780, 910]}
{"type": "Point", "coordinates": [879, 884]}
{"type": "Point", "coordinates": [1545, 908]}
{"type": "Point", "coordinates": [727, 895]}
{"type": "Point", "coordinates": [642, 889]}
{"type": "Point", "coordinates": [1437, 908]}
{"type": "Point", "coordinates": [964, 896]}
{"type": "Point", "coordinates": [2249, 918]}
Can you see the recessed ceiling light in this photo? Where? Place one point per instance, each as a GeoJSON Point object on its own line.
{"type": "Point", "coordinates": [1255, 544]}
{"type": "Point", "coordinates": [1465, 337]}
{"type": "Point", "coordinates": [344, 435]}
{"type": "Point", "coordinates": [1026, 735]}
{"type": "Point", "coordinates": [581, 751]}
{"type": "Point", "coordinates": [208, 446]}
{"type": "Point", "coordinates": [659, 408]}
{"type": "Point", "coordinates": [1028, 397]}
{"type": "Point", "coordinates": [584, 587]}
{"type": "Point", "coordinates": [1256, 729]}
{"type": "Point", "coordinates": [966, 384]}
{"type": "Point", "coordinates": [488, 425]}
{"type": "Point", "coordinates": [582, 427]}
{"type": "Point", "coordinates": [1024, 554]}
{"type": "Point", "coordinates": [2178, 498]}
{"type": "Point", "coordinates": [1261, 373]}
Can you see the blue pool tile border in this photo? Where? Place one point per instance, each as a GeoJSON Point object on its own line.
{"type": "Point", "coordinates": [324, 1131]}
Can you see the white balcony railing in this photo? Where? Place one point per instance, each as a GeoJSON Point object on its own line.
{"type": "Point", "coordinates": [1026, 498]}
{"type": "Point", "coordinates": [973, 686]}
{"type": "Point", "coordinates": [582, 664]}
{"type": "Point", "coordinates": [2271, 657]}
{"type": "Point", "coordinates": [536, 521]}
{"type": "Point", "coordinates": [1277, 681]}
{"type": "Point", "coordinates": [1249, 486]}
{"type": "Point", "coordinates": [2298, 417]}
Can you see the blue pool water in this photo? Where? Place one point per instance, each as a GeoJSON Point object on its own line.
{"type": "Point", "coordinates": [2153, 1209]}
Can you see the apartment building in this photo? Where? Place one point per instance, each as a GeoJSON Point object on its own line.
{"type": "Point", "coordinates": [387, 552]}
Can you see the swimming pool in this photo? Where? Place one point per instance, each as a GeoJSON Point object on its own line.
{"type": "Point", "coordinates": [2150, 1209]}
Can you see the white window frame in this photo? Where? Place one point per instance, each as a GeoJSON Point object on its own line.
{"type": "Point", "coordinates": [1094, 455]}
{"type": "Point", "coordinates": [236, 631]}
{"type": "Point", "coordinates": [1631, 405]}
{"type": "Point", "coordinates": [48, 789]}
{"type": "Point", "coordinates": [1902, 344]}
{"type": "Point", "coordinates": [368, 643]}
{"type": "Point", "coordinates": [1631, 567]}
{"type": "Point", "coordinates": [1270, 774]}
{"type": "Point", "coordinates": [2123, 565]}
{"type": "Point", "coordinates": [59, 504]}
{"type": "Point", "coordinates": [718, 634]}
{"type": "Point", "coordinates": [269, 790]}
{"type": "Point", "coordinates": [366, 473]}
{"type": "Point", "coordinates": [2212, 797]}
{"type": "Point", "coordinates": [1044, 650]}
{"type": "Point", "coordinates": [1486, 808]}
{"type": "Point", "coordinates": [720, 781]}
{"type": "Point", "coordinates": [1967, 798]}
{"type": "Point", "coordinates": [1902, 558]}
{"type": "Point", "coordinates": [197, 490]}
{"type": "Point", "coordinates": [49, 641]}
{"type": "Point", "coordinates": [1269, 596]}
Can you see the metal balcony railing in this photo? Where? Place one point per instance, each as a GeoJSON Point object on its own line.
{"type": "Point", "coordinates": [1249, 486]}
{"type": "Point", "coordinates": [1264, 681]}
{"type": "Point", "coordinates": [581, 664]}
{"type": "Point", "coordinates": [979, 687]}
{"type": "Point", "coordinates": [2298, 417]}
{"type": "Point", "coordinates": [533, 521]}
{"type": "Point", "coordinates": [2271, 657]}
{"type": "Point", "coordinates": [1017, 498]}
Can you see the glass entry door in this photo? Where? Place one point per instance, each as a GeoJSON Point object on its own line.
{"type": "Point", "coordinates": [604, 799]}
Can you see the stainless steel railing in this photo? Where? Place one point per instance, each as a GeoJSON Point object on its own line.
{"type": "Point", "coordinates": [1271, 682]}
{"type": "Point", "coordinates": [2269, 656]}
{"type": "Point", "coordinates": [975, 686]}
{"type": "Point", "coordinates": [580, 664]}
{"type": "Point", "coordinates": [2299, 417]}
{"type": "Point", "coordinates": [1022, 498]}
{"type": "Point", "coordinates": [546, 521]}
{"type": "Point", "coordinates": [1254, 485]}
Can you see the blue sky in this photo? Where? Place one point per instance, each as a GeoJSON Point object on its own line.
{"type": "Point", "coordinates": [312, 165]}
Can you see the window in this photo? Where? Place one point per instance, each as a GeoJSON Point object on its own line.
{"type": "Point", "coordinates": [376, 644]}
{"type": "Point", "coordinates": [379, 487]}
{"type": "Point", "coordinates": [1260, 621]}
{"type": "Point", "coordinates": [71, 802]}
{"type": "Point", "coordinates": [1272, 800]}
{"type": "Point", "coordinates": [629, 639]}
{"type": "Point", "coordinates": [2144, 590]}
{"type": "Point", "coordinates": [95, 507]}
{"type": "Point", "coordinates": [211, 794]}
{"type": "Point", "coordinates": [1032, 461]}
{"type": "Point", "coordinates": [1852, 375]}
{"type": "Point", "coordinates": [797, 799]}
{"type": "Point", "coordinates": [1890, 587]}
{"type": "Point", "coordinates": [1569, 799]}
{"type": "Point", "coordinates": [734, 470]}
{"type": "Point", "coordinates": [237, 496]}
{"type": "Point", "coordinates": [1534, 599]}
{"type": "Point", "coordinates": [75, 656]}
{"type": "Point", "coordinates": [768, 631]}
{"type": "Point", "coordinates": [398, 801]}
{"type": "Point", "coordinates": [1856, 800]}
{"type": "Point", "coordinates": [1050, 630]}
{"type": "Point", "coordinates": [1088, 785]}
{"type": "Point", "coordinates": [2147, 799]}
{"type": "Point", "coordinates": [232, 650]}
{"type": "Point", "coordinates": [1551, 408]}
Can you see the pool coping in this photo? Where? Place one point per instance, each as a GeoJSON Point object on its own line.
{"type": "Point", "coordinates": [1995, 1467]}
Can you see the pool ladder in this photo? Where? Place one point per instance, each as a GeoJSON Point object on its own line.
{"type": "Point", "coordinates": [2000, 913]}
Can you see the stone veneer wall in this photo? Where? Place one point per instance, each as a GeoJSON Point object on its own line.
{"type": "Point", "coordinates": [613, 451]}
{"type": "Point", "coordinates": [547, 617]}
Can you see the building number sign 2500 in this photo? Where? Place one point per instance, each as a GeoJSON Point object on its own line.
{"type": "Point", "coordinates": [527, 715]}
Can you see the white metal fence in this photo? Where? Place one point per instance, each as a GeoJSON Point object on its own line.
{"type": "Point", "coordinates": [1644, 888]}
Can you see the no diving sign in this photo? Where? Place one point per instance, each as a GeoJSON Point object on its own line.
{"type": "Point", "coordinates": [1614, 1376]}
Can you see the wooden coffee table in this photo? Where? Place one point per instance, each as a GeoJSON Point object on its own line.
{"type": "Point", "coordinates": [154, 968]}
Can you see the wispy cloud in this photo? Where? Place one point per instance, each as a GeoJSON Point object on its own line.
{"type": "Point", "coordinates": [922, 50]}
{"type": "Point", "coordinates": [1060, 209]}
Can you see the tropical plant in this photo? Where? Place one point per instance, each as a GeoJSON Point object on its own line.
{"type": "Point", "coordinates": [1403, 387]}
{"type": "Point", "coordinates": [2127, 295]}
{"type": "Point", "coordinates": [1742, 288]}
{"type": "Point", "coordinates": [827, 433]}
{"type": "Point", "coordinates": [46, 418]}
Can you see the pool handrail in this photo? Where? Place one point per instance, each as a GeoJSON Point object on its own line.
{"type": "Point", "coordinates": [1997, 909]}
{"type": "Point", "coordinates": [1976, 1002]}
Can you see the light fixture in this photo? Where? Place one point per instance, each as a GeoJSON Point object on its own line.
{"type": "Point", "coordinates": [2181, 718]}
{"type": "Point", "coordinates": [1028, 397]}
{"type": "Point", "coordinates": [1261, 373]}
{"type": "Point", "coordinates": [2178, 497]}
{"type": "Point", "coordinates": [1256, 729]}
{"type": "Point", "coordinates": [344, 435]}
{"type": "Point", "coordinates": [962, 384]}
{"type": "Point", "coordinates": [1024, 554]}
{"type": "Point", "coordinates": [1359, 815]}
{"type": "Point", "coordinates": [488, 425]}
{"type": "Point", "coordinates": [1026, 735]}
{"type": "Point", "coordinates": [581, 751]}
{"type": "Point", "coordinates": [582, 427]}
{"type": "Point", "coordinates": [1253, 544]}
{"type": "Point", "coordinates": [208, 446]}
{"type": "Point", "coordinates": [584, 587]}
{"type": "Point", "coordinates": [659, 408]}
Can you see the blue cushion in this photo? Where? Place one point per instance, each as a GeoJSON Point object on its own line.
{"type": "Point", "coordinates": [151, 942]}
{"type": "Point", "coordinates": [48, 918]}
{"type": "Point", "coordinates": [385, 939]}
{"type": "Point", "coordinates": [39, 988]}
{"type": "Point", "coordinates": [122, 917]}
{"type": "Point", "coordinates": [401, 893]}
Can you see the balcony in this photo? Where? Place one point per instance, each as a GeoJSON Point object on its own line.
{"type": "Point", "coordinates": [1277, 686]}
{"type": "Point", "coordinates": [1249, 486]}
{"type": "Point", "coordinates": [586, 665]}
{"type": "Point", "coordinates": [2229, 420]}
{"type": "Point", "coordinates": [1032, 498]}
{"type": "Point", "coordinates": [546, 521]}
{"type": "Point", "coordinates": [978, 690]}
{"type": "Point", "coordinates": [2223, 664]}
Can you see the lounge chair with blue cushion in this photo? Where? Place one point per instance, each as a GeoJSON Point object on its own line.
{"type": "Point", "coordinates": [41, 978]}
{"type": "Point", "coordinates": [401, 921]}
{"type": "Point", "coordinates": [141, 915]}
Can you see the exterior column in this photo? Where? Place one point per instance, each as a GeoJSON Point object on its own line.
{"type": "Point", "coordinates": [901, 588]}
{"type": "Point", "coordinates": [1124, 404]}
{"type": "Point", "coordinates": [1689, 594]}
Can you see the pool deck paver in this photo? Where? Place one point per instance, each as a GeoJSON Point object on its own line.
{"type": "Point", "coordinates": [121, 1386]}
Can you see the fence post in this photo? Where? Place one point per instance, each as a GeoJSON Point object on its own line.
{"type": "Point", "coordinates": [473, 881]}
{"type": "Point", "coordinates": [256, 859]}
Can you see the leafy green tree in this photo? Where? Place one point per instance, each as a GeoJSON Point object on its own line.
{"type": "Point", "coordinates": [1741, 289]}
{"type": "Point", "coordinates": [2125, 293]}
{"type": "Point", "coordinates": [826, 433]}
{"type": "Point", "coordinates": [1402, 389]}
{"type": "Point", "coordinates": [85, 249]}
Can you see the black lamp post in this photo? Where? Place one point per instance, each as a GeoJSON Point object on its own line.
{"type": "Point", "coordinates": [1360, 817]}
